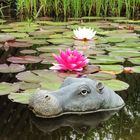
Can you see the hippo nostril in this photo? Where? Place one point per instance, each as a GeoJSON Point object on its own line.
{"type": "Point", "coordinates": [46, 96]}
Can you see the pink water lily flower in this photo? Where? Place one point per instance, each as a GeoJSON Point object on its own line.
{"type": "Point", "coordinates": [70, 60]}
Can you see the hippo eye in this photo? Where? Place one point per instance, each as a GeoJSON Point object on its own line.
{"type": "Point", "coordinates": [84, 92]}
{"type": "Point", "coordinates": [99, 87]}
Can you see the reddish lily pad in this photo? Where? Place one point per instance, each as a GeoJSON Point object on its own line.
{"type": "Point", "coordinates": [6, 37]}
{"type": "Point", "coordinates": [28, 51]}
{"type": "Point", "coordinates": [24, 59]}
{"type": "Point", "coordinates": [12, 68]}
{"type": "Point", "coordinates": [18, 44]}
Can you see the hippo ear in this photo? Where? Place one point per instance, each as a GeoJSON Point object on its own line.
{"type": "Point", "coordinates": [99, 87]}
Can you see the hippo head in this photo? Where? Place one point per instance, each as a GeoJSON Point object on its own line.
{"type": "Point", "coordinates": [75, 96]}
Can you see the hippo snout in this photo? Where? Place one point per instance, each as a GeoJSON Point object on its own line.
{"type": "Point", "coordinates": [45, 104]}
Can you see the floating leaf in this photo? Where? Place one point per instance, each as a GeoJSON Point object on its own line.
{"type": "Point", "coordinates": [136, 69]}
{"type": "Point", "coordinates": [23, 97]}
{"type": "Point", "coordinates": [6, 37]}
{"type": "Point", "coordinates": [125, 54]}
{"type": "Point", "coordinates": [115, 69]}
{"type": "Point", "coordinates": [18, 44]}
{"type": "Point", "coordinates": [116, 85]}
{"type": "Point", "coordinates": [6, 88]}
{"type": "Point", "coordinates": [25, 85]}
{"type": "Point", "coordinates": [24, 59]}
{"type": "Point", "coordinates": [103, 59]}
{"type": "Point", "coordinates": [33, 41]}
{"type": "Point", "coordinates": [12, 68]}
{"type": "Point", "coordinates": [135, 60]}
{"type": "Point", "coordinates": [46, 79]}
{"type": "Point", "coordinates": [28, 51]}
{"type": "Point", "coordinates": [52, 48]}
{"type": "Point", "coordinates": [61, 41]}
{"type": "Point", "coordinates": [19, 35]}
{"type": "Point", "coordinates": [114, 40]}
{"type": "Point", "coordinates": [102, 76]}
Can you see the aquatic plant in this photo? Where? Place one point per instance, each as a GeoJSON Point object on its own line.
{"type": "Point", "coordinates": [84, 33]}
{"type": "Point", "coordinates": [70, 60]}
{"type": "Point", "coordinates": [78, 8]}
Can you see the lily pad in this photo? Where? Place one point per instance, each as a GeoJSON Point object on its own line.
{"type": "Point", "coordinates": [23, 97]}
{"type": "Point", "coordinates": [19, 35]}
{"type": "Point", "coordinates": [6, 37]}
{"type": "Point", "coordinates": [33, 41]}
{"type": "Point", "coordinates": [46, 79]}
{"type": "Point", "coordinates": [114, 40]}
{"type": "Point", "coordinates": [7, 88]}
{"type": "Point", "coordinates": [116, 85]}
{"type": "Point", "coordinates": [12, 68]}
{"type": "Point", "coordinates": [135, 60]}
{"type": "Point", "coordinates": [103, 59]}
{"type": "Point", "coordinates": [125, 54]}
{"type": "Point", "coordinates": [18, 44]}
{"type": "Point", "coordinates": [27, 86]}
{"type": "Point", "coordinates": [136, 69]}
{"type": "Point", "coordinates": [61, 41]}
{"type": "Point", "coordinates": [102, 76]}
{"type": "Point", "coordinates": [27, 51]}
{"type": "Point", "coordinates": [114, 69]}
{"type": "Point", "coordinates": [52, 48]}
{"type": "Point", "coordinates": [24, 59]}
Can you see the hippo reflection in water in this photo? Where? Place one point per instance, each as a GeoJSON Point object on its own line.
{"type": "Point", "coordinates": [75, 96]}
{"type": "Point", "coordinates": [79, 123]}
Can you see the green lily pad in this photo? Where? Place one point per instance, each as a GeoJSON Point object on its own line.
{"type": "Point", "coordinates": [56, 23]}
{"type": "Point", "coordinates": [116, 85]}
{"type": "Point", "coordinates": [46, 79]}
{"type": "Point", "coordinates": [23, 97]}
{"type": "Point", "coordinates": [135, 60]}
{"type": "Point", "coordinates": [92, 18]}
{"type": "Point", "coordinates": [26, 86]}
{"type": "Point", "coordinates": [61, 41]}
{"type": "Point", "coordinates": [115, 69]}
{"type": "Point", "coordinates": [128, 45]}
{"type": "Point", "coordinates": [103, 59]}
{"type": "Point", "coordinates": [19, 35]}
{"type": "Point", "coordinates": [136, 69]}
{"type": "Point", "coordinates": [114, 40]}
{"type": "Point", "coordinates": [56, 36]}
{"type": "Point", "coordinates": [125, 54]}
{"type": "Point", "coordinates": [23, 24]}
{"type": "Point", "coordinates": [122, 49]}
{"type": "Point", "coordinates": [102, 76]}
{"type": "Point", "coordinates": [12, 68]}
{"type": "Point", "coordinates": [7, 88]}
{"type": "Point", "coordinates": [52, 48]}
{"type": "Point", "coordinates": [33, 41]}
{"type": "Point", "coordinates": [2, 21]}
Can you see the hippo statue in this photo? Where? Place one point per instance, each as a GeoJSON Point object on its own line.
{"type": "Point", "coordinates": [75, 96]}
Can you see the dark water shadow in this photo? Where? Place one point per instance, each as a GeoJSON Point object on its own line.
{"type": "Point", "coordinates": [79, 123]}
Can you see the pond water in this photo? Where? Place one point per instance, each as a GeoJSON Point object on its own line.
{"type": "Point", "coordinates": [115, 47]}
